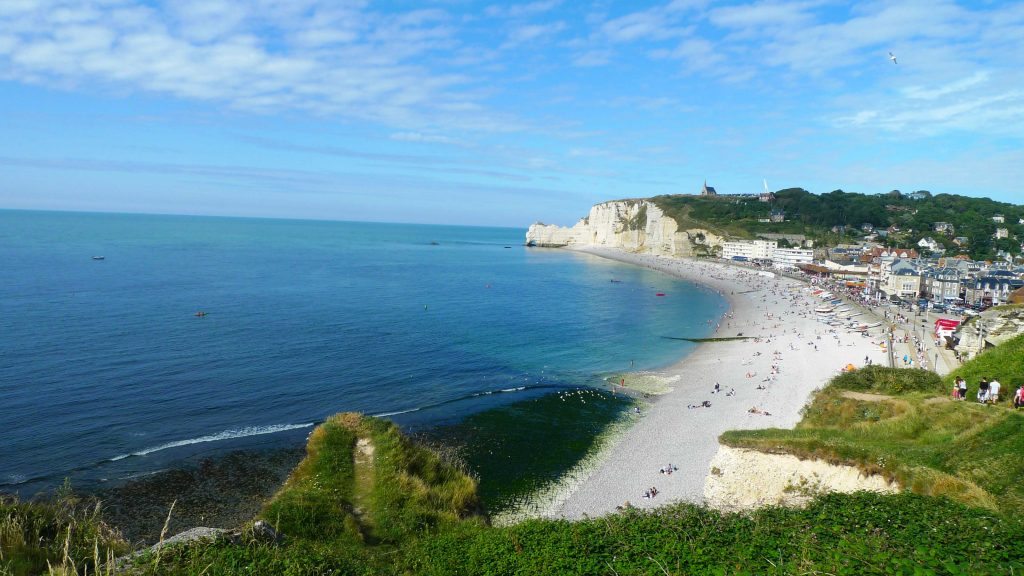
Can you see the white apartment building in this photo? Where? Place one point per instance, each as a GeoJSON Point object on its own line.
{"type": "Point", "coordinates": [749, 250]}
{"type": "Point", "coordinates": [791, 257]}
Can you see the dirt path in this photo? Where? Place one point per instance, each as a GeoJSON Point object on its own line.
{"type": "Point", "coordinates": [866, 397]}
{"type": "Point", "coordinates": [363, 488]}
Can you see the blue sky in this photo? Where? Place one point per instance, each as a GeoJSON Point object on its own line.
{"type": "Point", "coordinates": [465, 112]}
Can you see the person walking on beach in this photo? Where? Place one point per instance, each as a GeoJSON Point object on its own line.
{"type": "Point", "coordinates": [993, 391]}
{"type": "Point", "coordinates": [1018, 397]}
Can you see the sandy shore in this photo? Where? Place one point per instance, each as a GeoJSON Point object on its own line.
{"type": "Point", "coordinates": [804, 352]}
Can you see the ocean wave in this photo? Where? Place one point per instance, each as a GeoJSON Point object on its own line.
{"type": "Point", "coordinates": [14, 480]}
{"type": "Point", "coordinates": [383, 414]}
{"type": "Point", "coordinates": [460, 399]}
{"type": "Point", "coordinates": [225, 435]}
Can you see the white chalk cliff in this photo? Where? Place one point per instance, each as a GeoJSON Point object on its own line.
{"type": "Point", "coordinates": [633, 225]}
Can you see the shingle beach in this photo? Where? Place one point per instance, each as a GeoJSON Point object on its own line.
{"type": "Point", "coordinates": [676, 428]}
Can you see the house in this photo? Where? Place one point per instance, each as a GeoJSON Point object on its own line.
{"type": "Point", "coordinates": [929, 244]}
{"type": "Point", "coordinates": [905, 253]}
{"type": "Point", "coordinates": [902, 279]}
{"type": "Point", "coordinates": [1001, 233]}
{"type": "Point", "coordinates": [894, 229]}
{"type": "Point", "coordinates": [961, 241]}
{"type": "Point", "coordinates": [778, 216]}
{"type": "Point", "coordinates": [708, 190]}
{"type": "Point", "coordinates": [943, 285]}
{"type": "Point", "coordinates": [841, 229]}
{"type": "Point", "coordinates": [867, 227]}
{"type": "Point", "coordinates": [919, 195]}
{"type": "Point", "coordinates": [998, 219]}
{"type": "Point", "coordinates": [991, 290]}
{"type": "Point", "coordinates": [943, 228]}
{"type": "Point", "coordinates": [766, 197]}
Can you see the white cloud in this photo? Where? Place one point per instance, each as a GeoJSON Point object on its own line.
{"type": "Point", "coordinates": [923, 93]}
{"type": "Point", "coordinates": [763, 14]}
{"type": "Point", "coordinates": [421, 137]}
{"type": "Point", "coordinates": [521, 10]}
{"type": "Point", "coordinates": [265, 55]}
{"type": "Point", "coordinates": [529, 33]}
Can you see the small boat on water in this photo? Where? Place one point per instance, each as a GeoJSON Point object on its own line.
{"type": "Point", "coordinates": [99, 257]}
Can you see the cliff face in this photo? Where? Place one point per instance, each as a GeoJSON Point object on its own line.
{"type": "Point", "coordinates": [633, 225]}
{"type": "Point", "coordinates": [991, 328]}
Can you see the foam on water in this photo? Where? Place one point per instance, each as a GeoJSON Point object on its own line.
{"type": "Point", "coordinates": [224, 435]}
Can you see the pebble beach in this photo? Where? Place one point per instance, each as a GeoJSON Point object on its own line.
{"type": "Point", "coordinates": [763, 381]}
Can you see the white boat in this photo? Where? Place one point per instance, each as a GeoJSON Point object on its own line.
{"type": "Point", "coordinates": [823, 310]}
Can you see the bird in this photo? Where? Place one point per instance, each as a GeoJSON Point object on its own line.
{"type": "Point", "coordinates": [892, 57]}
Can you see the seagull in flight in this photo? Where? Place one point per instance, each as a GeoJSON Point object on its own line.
{"type": "Point", "coordinates": [892, 57]}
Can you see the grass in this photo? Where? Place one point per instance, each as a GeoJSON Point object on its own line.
{"type": "Point", "coordinates": [344, 509]}
{"type": "Point", "coordinates": [1004, 363]}
{"type": "Point", "coordinates": [65, 536]}
{"type": "Point", "coordinates": [968, 452]}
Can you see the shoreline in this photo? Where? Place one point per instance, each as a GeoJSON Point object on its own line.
{"type": "Point", "coordinates": [676, 428]}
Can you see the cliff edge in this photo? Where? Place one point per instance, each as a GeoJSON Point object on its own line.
{"type": "Point", "coordinates": [632, 225]}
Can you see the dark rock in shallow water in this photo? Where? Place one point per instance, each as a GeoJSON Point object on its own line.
{"type": "Point", "coordinates": [221, 492]}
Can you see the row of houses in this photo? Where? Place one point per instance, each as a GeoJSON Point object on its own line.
{"type": "Point", "coordinates": [904, 273]}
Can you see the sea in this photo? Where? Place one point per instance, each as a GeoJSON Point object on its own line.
{"type": "Point", "coordinates": [131, 342]}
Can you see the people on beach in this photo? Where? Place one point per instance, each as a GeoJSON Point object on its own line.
{"type": "Point", "coordinates": [963, 388]}
{"type": "Point", "coordinates": [1018, 397]}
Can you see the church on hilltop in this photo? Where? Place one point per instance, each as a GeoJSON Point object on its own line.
{"type": "Point", "coordinates": [708, 190]}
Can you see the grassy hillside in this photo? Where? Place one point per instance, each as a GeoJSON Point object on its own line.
{"type": "Point", "coordinates": [815, 215]}
{"type": "Point", "coordinates": [912, 432]}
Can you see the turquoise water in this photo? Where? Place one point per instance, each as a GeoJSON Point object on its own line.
{"type": "Point", "coordinates": [106, 372]}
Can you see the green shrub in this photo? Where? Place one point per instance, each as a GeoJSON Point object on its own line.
{"type": "Point", "coordinates": [893, 381]}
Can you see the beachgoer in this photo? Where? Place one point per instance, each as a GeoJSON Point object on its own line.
{"type": "Point", "coordinates": [993, 391]}
{"type": "Point", "coordinates": [963, 388]}
{"type": "Point", "coordinates": [983, 390]}
{"type": "Point", "coordinates": [1018, 397]}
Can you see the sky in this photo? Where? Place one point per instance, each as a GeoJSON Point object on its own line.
{"type": "Point", "coordinates": [479, 113]}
